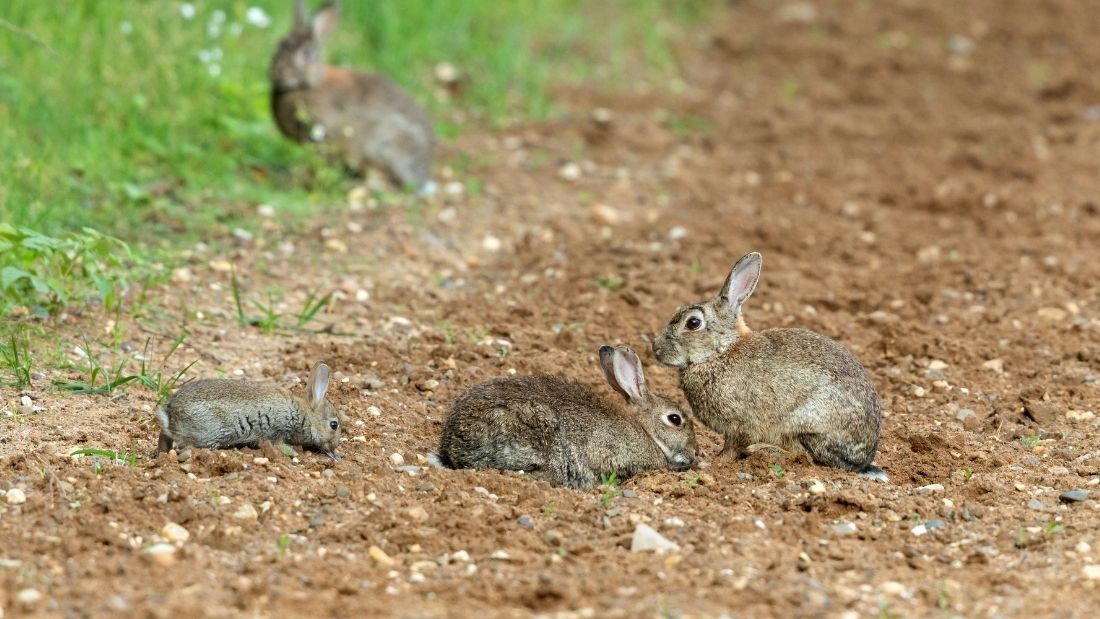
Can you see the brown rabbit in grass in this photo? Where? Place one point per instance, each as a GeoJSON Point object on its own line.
{"type": "Point", "coordinates": [219, 414]}
{"type": "Point", "coordinates": [364, 118]}
{"type": "Point", "coordinates": [560, 431]}
{"type": "Point", "coordinates": [791, 388]}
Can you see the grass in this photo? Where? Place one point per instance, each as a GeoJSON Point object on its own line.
{"type": "Point", "coordinates": [1030, 441]}
{"type": "Point", "coordinates": [158, 129]}
{"type": "Point", "coordinates": [106, 379]}
{"type": "Point", "coordinates": [113, 456]}
{"type": "Point", "coordinates": [40, 274]}
{"type": "Point", "coordinates": [778, 470]}
{"type": "Point", "coordinates": [270, 317]}
{"type": "Point", "coordinates": [15, 354]}
{"type": "Point", "coordinates": [611, 490]}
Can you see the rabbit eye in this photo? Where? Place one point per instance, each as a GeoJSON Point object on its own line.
{"type": "Point", "coordinates": [334, 424]}
{"type": "Point", "coordinates": [675, 420]}
{"type": "Point", "coordinates": [693, 324]}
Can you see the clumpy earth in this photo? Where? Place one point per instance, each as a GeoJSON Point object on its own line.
{"type": "Point", "coordinates": [922, 180]}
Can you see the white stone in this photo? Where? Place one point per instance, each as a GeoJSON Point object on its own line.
{"type": "Point", "coordinates": [29, 596]}
{"type": "Point", "coordinates": [175, 533]}
{"type": "Point", "coordinates": [1091, 572]}
{"type": "Point", "coordinates": [246, 512]}
{"type": "Point", "coordinates": [16, 496]}
{"type": "Point", "coordinates": [461, 555]}
{"type": "Point", "coordinates": [646, 538]}
{"type": "Point", "coordinates": [816, 487]}
{"type": "Point", "coordinates": [397, 459]}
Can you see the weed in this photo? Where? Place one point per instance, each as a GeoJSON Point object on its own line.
{"type": "Point", "coordinates": [611, 490]}
{"type": "Point", "coordinates": [44, 273]}
{"type": "Point", "coordinates": [161, 384]}
{"type": "Point", "coordinates": [791, 90]}
{"type": "Point", "coordinates": [1021, 538]}
{"type": "Point", "coordinates": [1030, 441]}
{"type": "Point", "coordinates": [113, 456]}
{"type": "Point", "coordinates": [697, 266]}
{"type": "Point", "coordinates": [112, 377]}
{"type": "Point", "coordinates": [778, 470]}
{"type": "Point", "coordinates": [692, 481]}
{"type": "Point", "coordinates": [689, 124]}
{"type": "Point", "coordinates": [282, 545]}
{"type": "Point", "coordinates": [16, 357]}
{"type": "Point", "coordinates": [916, 518]}
{"type": "Point", "coordinates": [548, 510]}
{"type": "Point", "coordinates": [968, 472]}
{"type": "Point", "coordinates": [270, 318]}
{"type": "Point", "coordinates": [1053, 528]}
{"type": "Point", "coordinates": [610, 283]}
{"type": "Point", "coordinates": [287, 450]}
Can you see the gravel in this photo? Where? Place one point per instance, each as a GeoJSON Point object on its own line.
{"type": "Point", "coordinates": [1074, 496]}
{"type": "Point", "coordinates": [647, 539]}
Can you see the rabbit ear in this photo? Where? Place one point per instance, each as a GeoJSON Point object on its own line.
{"type": "Point", "coordinates": [317, 385]}
{"type": "Point", "coordinates": [301, 15]}
{"type": "Point", "coordinates": [742, 280]}
{"type": "Point", "coordinates": [324, 20]}
{"type": "Point", "coordinates": [623, 370]}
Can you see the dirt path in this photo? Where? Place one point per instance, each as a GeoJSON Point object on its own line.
{"type": "Point", "coordinates": [923, 182]}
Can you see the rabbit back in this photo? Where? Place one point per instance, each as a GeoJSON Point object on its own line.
{"type": "Point", "coordinates": [364, 119]}
{"type": "Point", "coordinates": [788, 387]}
{"type": "Point", "coordinates": [549, 426]}
{"type": "Point", "coordinates": [218, 414]}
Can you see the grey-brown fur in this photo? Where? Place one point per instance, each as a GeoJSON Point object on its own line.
{"type": "Point", "coordinates": [363, 119]}
{"type": "Point", "coordinates": [792, 388]}
{"type": "Point", "coordinates": [220, 414]}
{"type": "Point", "coordinates": [560, 431]}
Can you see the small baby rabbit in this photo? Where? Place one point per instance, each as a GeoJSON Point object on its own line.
{"type": "Point", "coordinates": [365, 119]}
{"type": "Point", "coordinates": [559, 430]}
{"type": "Point", "coordinates": [792, 388]}
{"type": "Point", "coordinates": [217, 414]}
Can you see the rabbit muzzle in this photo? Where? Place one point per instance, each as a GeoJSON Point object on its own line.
{"type": "Point", "coordinates": [681, 462]}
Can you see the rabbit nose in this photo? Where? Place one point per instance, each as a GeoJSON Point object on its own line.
{"type": "Point", "coordinates": [683, 461]}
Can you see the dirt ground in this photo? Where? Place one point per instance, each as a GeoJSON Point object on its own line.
{"type": "Point", "coordinates": [923, 180]}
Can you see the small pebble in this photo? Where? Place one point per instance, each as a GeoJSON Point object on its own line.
{"type": "Point", "coordinates": [328, 472]}
{"type": "Point", "coordinates": [316, 521]}
{"type": "Point", "coordinates": [1035, 504]}
{"type": "Point", "coordinates": [933, 524]}
{"type": "Point", "coordinates": [460, 556]}
{"type": "Point", "coordinates": [397, 459]}
{"type": "Point", "coordinates": [816, 487]}
{"type": "Point", "coordinates": [15, 496]}
{"type": "Point", "coordinates": [646, 539]}
{"type": "Point", "coordinates": [1091, 572]}
{"type": "Point", "coordinates": [844, 528]}
{"type": "Point", "coordinates": [246, 512]}
{"type": "Point", "coordinates": [526, 522]}
{"type": "Point", "coordinates": [919, 530]}
{"type": "Point", "coordinates": [29, 596]}
{"type": "Point", "coordinates": [379, 555]}
{"type": "Point", "coordinates": [175, 533]}
{"type": "Point", "coordinates": [342, 491]}
{"type": "Point", "coordinates": [500, 555]}
{"type": "Point", "coordinates": [161, 554]}
{"type": "Point", "coordinates": [930, 488]}
{"type": "Point", "coordinates": [418, 514]}
{"type": "Point", "coordinates": [1074, 496]}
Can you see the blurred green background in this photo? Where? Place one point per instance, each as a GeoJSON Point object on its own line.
{"type": "Point", "coordinates": [149, 120]}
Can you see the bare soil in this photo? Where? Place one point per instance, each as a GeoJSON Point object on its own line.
{"type": "Point", "coordinates": [922, 179]}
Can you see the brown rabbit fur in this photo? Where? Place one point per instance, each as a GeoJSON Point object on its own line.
{"type": "Point", "coordinates": [219, 414]}
{"type": "Point", "coordinates": [560, 431]}
{"type": "Point", "coordinates": [791, 388]}
{"type": "Point", "coordinates": [364, 119]}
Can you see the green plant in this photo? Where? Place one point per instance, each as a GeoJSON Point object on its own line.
{"type": "Point", "coordinates": [692, 480]}
{"type": "Point", "coordinates": [282, 545]}
{"type": "Point", "coordinates": [696, 266]}
{"type": "Point", "coordinates": [548, 510]}
{"type": "Point", "coordinates": [1030, 441]}
{"type": "Point", "coordinates": [44, 273]}
{"type": "Point", "coordinates": [1053, 528]}
{"type": "Point", "coordinates": [610, 283]}
{"type": "Point", "coordinates": [111, 455]}
{"type": "Point", "coordinates": [270, 318]}
{"type": "Point", "coordinates": [160, 383]}
{"type": "Point", "coordinates": [611, 490]}
{"type": "Point", "coordinates": [1021, 538]}
{"type": "Point", "coordinates": [112, 377]}
{"type": "Point", "coordinates": [968, 472]}
{"type": "Point", "coordinates": [15, 354]}
{"type": "Point", "coordinates": [689, 124]}
{"type": "Point", "coordinates": [778, 470]}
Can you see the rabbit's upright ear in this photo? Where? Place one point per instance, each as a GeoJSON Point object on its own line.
{"type": "Point", "coordinates": [301, 15]}
{"type": "Point", "coordinates": [317, 386]}
{"type": "Point", "coordinates": [623, 370]}
{"type": "Point", "coordinates": [741, 281]}
{"type": "Point", "coordinates": [324, 20]}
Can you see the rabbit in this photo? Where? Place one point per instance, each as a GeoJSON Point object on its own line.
{"type": "Point", "coordinates": [219, 413]}
{"type": "Point", "coordinates": [791, 388]}
{"type": "Point", "coordinates": [560, 431]}
{"type": "Point", "coordinates": [363, 118]}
